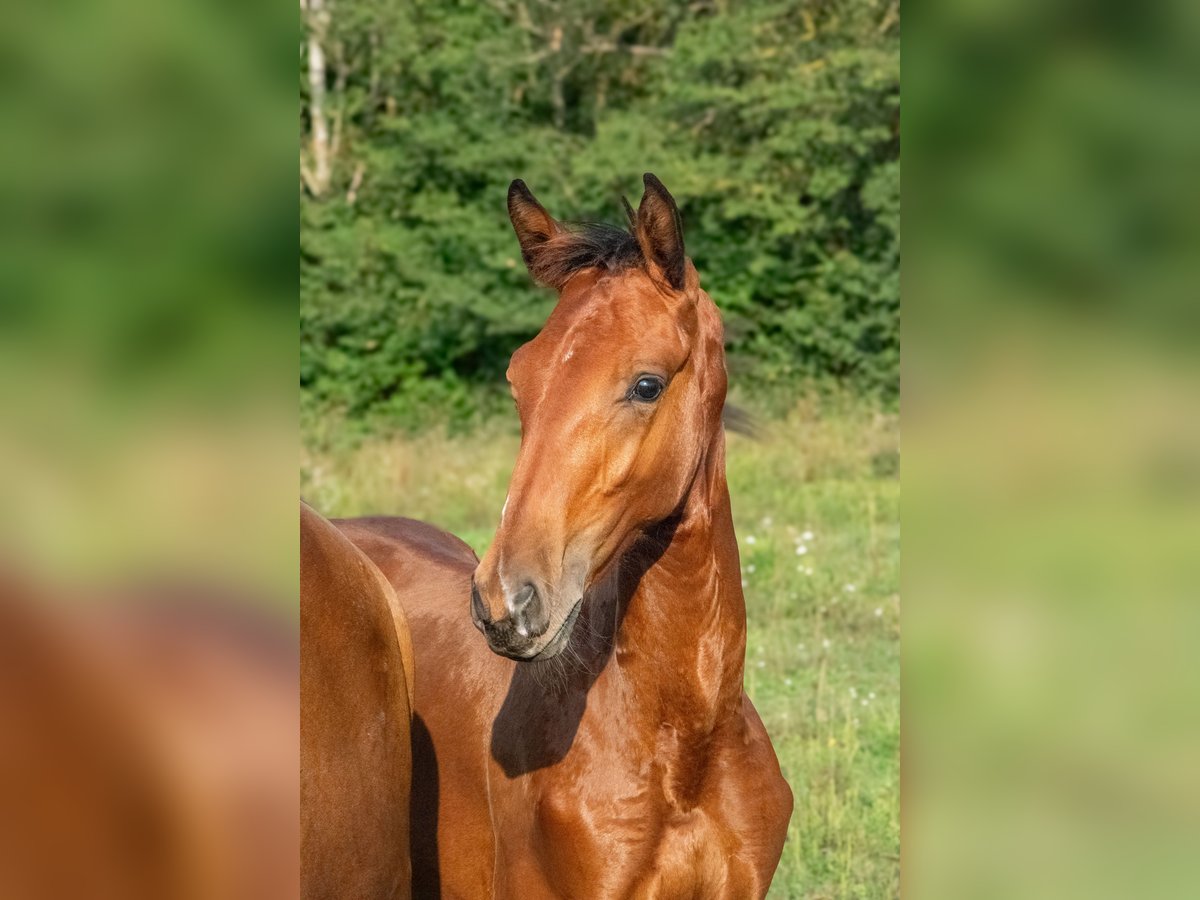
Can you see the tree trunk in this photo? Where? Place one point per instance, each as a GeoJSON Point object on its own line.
{"type": "Point", "coordinates": [318, 174]}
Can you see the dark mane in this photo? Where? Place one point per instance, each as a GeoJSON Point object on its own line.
{"type": "Point", "coordinates": [584, 245]}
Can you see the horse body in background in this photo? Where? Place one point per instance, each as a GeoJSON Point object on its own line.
{"type": "Point", "coordinates": [596, 742]}
{"type": "Point", "coordinates": [147, 743]}
{"type": "Point", "coordinates": [356, 678]}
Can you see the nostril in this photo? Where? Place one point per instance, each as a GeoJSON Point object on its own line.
{"type": "Point", "coordinates": [523, 598]}
{"type": "Point", "coordinates": [529, 613]}
{"type": "Point", "coordinates": [479, 610]}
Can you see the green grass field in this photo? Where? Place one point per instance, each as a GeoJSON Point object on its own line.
{"type": "Point", "coordinates": [816, 503]}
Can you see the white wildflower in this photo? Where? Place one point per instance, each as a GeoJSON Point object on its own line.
{"type": "Point", "coordinates": [751, 539]}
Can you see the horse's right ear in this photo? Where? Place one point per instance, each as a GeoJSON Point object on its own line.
{"type": "Point", "coordinates": [533, 225]}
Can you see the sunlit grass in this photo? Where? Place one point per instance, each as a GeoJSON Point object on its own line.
{"type": "Point", "coordinates": [816, 505]}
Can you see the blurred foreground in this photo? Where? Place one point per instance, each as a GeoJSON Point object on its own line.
{"type": "Point", "coordinates": [1052, 451]}
{"type": "Point", "coordinates": [148, 711]}
{"type": "Point", "coordinates": [148, 747]}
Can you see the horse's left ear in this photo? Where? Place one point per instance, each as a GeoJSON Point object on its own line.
{"type": "Point", "coordinates": [660, 232]}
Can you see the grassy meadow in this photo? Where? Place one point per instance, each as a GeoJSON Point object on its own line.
{"type": "Point", "coordinates": [816, 504]}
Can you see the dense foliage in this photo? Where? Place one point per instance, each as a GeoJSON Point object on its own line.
{"type": "Point", "coordinates": [775, 125]}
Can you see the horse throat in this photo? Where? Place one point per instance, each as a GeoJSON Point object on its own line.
{"type": "Point", "coordinates": [681, 636]}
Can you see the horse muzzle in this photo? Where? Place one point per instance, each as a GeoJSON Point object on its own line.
{"type": "Point", "coordinates": [519, 633]}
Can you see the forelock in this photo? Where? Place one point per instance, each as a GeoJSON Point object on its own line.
{"type": "Point", "coordinates": [580, 246]}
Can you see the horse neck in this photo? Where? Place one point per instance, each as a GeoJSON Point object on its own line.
{"type": "Point", "coordinates": [682, 637]}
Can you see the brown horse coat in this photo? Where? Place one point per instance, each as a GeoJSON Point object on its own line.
{"type": "Point", "coordinates": [620, 757]}
{"type": "Point", "coordinates": [147, 745]}
{"type": "Point", "coordinates": [356, 680]}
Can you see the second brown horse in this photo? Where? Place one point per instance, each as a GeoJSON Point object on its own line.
{"type": "Point", "coordinates": [356, 682]}
{"type": "Point", "coordinates": [596, 741]}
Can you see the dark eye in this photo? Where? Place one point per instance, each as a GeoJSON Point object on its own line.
{"type": "Point", "coordinates": [647, 389]}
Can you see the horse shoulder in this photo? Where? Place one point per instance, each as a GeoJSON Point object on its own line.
{"type": "Point", "coordinates": [728, 846]}
{"type": "Point", "coordinates": [697, 858]}
{"type": "Point", "coordinates": [753, 800]}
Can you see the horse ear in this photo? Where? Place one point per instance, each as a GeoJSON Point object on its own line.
{"type": "Point", "coordinates": [629, 213]}
{"type": "Point", "coordinates": [533, 225]}
{"type": "Point", "coordinates": [660, 232]}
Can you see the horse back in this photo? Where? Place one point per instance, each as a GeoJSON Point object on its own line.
{"type": "Point", "coordinates": [428, 569]}
{"type": "Point", "coordinates": [409, 538]}
{"type": "Point", "coordinates": [356, 684]}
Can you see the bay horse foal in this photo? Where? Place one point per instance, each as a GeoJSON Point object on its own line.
{"type": "Point", "coordinates": [356, 677]}
{"type": "Point", "coordinates": [605, 747]}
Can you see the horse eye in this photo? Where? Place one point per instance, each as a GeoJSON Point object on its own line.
{"type": "Point", "coordinates": [647, 389]}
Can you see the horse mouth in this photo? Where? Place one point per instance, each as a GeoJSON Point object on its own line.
{"type": "Point", "coordinates": [556, 643]}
